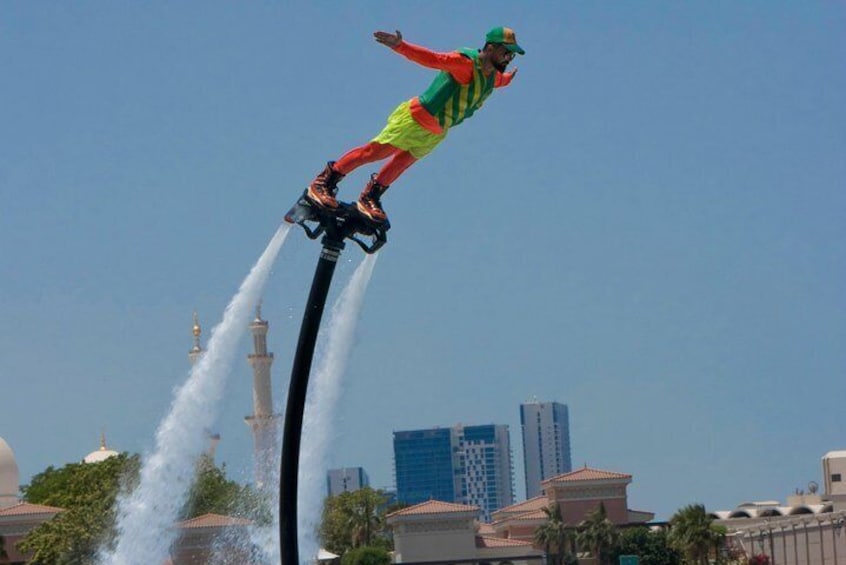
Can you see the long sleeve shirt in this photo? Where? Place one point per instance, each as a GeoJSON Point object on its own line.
{"type": "Point", "coordinates": [457, 92]}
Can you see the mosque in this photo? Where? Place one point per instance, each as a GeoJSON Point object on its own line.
{"type": "Point", "coordinates": [18, 518]}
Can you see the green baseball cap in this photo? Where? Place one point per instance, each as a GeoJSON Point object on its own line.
{"type": "Point", "coordinates": [504, 36]}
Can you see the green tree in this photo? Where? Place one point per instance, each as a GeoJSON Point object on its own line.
{"type": "Point", "coordinates": [653, 548]}
{"type": "Point", "coordinates": [87, 493]}
{"type": "Point", "coordinates": [693, 533]}
{"type": "Point", "coordinates": [366, 555]}
{"type": "Point", "coordinates": [354, 519]}
{"type": "Point", "coordinates": [555, 537]}
{"type": "Point", "coordinates": [3, 554]}
{"type": "Point", "coordinates": [598, 534]}
{"type": "Point", "coordinates": [212, 492]}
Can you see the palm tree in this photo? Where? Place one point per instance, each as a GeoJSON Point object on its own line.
{"type": "Point", "coordinates": [693, 533]}
{"type": "Point", "coordinates": [353, 519]}
{"type": "Point", "coordinates": [598, 534]}
{"type": "Point", "coordinates": [554, 536]}
{"type": "Point", "coordinates": [365, 519]}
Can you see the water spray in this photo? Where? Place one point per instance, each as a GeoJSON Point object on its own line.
{"type": "Point", "coordinates": [146, 516]}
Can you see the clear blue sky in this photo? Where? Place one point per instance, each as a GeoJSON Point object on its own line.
{"type": "Point", "coordinates": [648, 225]}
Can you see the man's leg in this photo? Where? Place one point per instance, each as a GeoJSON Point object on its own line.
{"type": "Point", "coordinates": [395, 167]}
{"type": "Point", "coordinates": [323, 188]}
{"type": "Point", "coordinates": [370, 203]}
{"type": "Point", "coordinates": [367, 153]}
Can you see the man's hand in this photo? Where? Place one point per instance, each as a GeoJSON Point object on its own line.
{"type": "Point", "coordinates": [389, 39]}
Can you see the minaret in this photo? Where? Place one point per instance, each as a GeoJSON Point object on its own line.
{"type": "Point", "coordinates": [196, 351]}
{"type": "Point", "coordinates": [214, 439]}
{"type": "Point", "coordinates": [194, 355]}
{"type": "Point", "coordinates": [263, 420]}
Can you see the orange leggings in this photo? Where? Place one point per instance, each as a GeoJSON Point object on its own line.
{"type": "Point", "coordinates": [372, 151]}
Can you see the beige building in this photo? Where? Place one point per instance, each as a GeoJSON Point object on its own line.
{"type": "Point", "coordinates": [16, 521]}
{"type": "Point", "coordinates": [809, 529]}
{"type": "Point", "coordinates": [437, 531]}
{"type": "Point", "coordinates": [834, 475]}
{"type": "Point", "coordinates": [800, 534]}
{"type": "Point", "coordinates": [576, 493]}
{"type": "Point", "coordinates": [197, 536]}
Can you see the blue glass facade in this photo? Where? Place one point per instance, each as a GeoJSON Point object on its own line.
{"type": "Point", "coordinates": [423, 461]}
{"type": "Point", "coordinates": [463, 464]}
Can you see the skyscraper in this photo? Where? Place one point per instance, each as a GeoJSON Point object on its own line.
{"type": "Point", "coordinates": [463, 464]}
{"type": "Point", "coordinates": [423, 463]}
{"type": "Point", "coordinates": [347, 479]}
{"type": "Point", "coordinates": [488, 478]}
{"type": "Point", "coordinates": [546, 442]}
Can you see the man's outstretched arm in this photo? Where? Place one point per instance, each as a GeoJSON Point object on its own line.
{"type": "Point", "coordinates": [455, 64]}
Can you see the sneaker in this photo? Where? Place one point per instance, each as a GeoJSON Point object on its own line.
{"type": "Point", "coordinates": [323, 188]}
{"type": "Point", "coordinates": [369, 203]}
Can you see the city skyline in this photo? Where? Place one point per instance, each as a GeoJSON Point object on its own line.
{"type": "Point", "coordinates": [259, 328]}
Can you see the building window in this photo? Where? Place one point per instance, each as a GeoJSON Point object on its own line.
{"type": "Point", "coordinates": [835, 477]}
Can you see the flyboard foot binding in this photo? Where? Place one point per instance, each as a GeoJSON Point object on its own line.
{"type": "Point", "coordinates": [343, 222]}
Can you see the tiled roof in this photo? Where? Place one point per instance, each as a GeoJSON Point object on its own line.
{"type": "Point", "coordinates": [535, 503]}
{"type": "Point", "coordinates": [213, 521]}
{"type": "Point", "coordinates": [433, 507]}
{"type": "Point", "coordinates": [485, 529]}
{"type": "Point", "coordinates": [27, 509]}
{"type": "Point", "coordinates": [587, 474]}
{"type": "Point", "coordinates": [491, 541]}
{"type": "Point", "coordinates": [532, 516]}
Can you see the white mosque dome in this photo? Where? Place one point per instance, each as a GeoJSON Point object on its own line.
{"type": "Point", "coordinates": [101, 454]}
{"type": "Point", "coordinates": [9, 476]}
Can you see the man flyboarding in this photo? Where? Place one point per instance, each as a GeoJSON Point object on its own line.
{"type": "Point", "coordinates": [467, 77]}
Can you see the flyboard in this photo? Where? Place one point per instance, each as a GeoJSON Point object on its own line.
{"type": "Point", "coordinates": [344, 222]}
{"type": "Point", "coordinates": [335, 225]}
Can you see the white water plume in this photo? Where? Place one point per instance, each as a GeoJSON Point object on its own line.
{"type": "Point", "coordinates": [147, 515]}
{"type": "Point", "coordinates": [264, 539]}
{"type": "Point", "coordinates": [321, 406]}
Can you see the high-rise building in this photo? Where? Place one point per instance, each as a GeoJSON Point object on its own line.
{"type": "Point", "coordinates": [423, 464]}
{"type": "Point", "coordinates": [348, 479]}
{"type": "Point", "coordinates": [546, 443]}
{"type": "Point", "coordinates": [488, 478]}
{"type": "Point", "coordinates": [462, 464]}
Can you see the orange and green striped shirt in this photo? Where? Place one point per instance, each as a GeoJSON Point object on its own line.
{"type": "Point", "coordinates": [457, 92]}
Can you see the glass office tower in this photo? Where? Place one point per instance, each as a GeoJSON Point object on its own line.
{"type": "Point", "coordinates": [546, 443]}
{"type": "Point", "coordinates": [462, 464]}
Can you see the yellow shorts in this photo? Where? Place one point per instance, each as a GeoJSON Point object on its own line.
{"type": "Point", "coordinates": [404, 132]}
